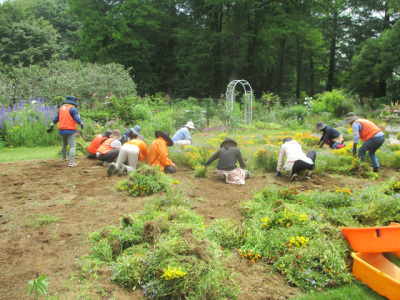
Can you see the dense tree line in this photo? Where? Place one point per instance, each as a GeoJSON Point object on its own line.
{"type": "Point", "coordinates": [292, 48]}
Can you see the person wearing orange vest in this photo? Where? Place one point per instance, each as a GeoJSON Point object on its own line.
{"type": "Point", "coordinates": [109, 149]}
{"type": "Point", "coordinates": [158, 154]}
{"type": "Point", "coordinates": [132, 151]}
{"type": "Point", "coordinates": [68, 118]}
{"type": "Point", "coordinates": [372, 136]}
{"type": "Point", "coordinates": [96, 143]}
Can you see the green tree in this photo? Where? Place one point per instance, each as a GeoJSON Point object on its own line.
{"type": "Point", "coordinates": [28, 42]}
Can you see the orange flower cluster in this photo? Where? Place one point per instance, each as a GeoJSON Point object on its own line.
{"type": "Point", "coordinates": [250, 254]}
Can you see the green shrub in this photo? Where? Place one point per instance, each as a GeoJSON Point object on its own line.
{"type": "Point", "coordinates": [335, 102]}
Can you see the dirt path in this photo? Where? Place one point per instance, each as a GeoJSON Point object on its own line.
{"type": "Point", "coordinates": [84, 199]}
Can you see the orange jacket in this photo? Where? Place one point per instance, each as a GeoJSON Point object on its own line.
{"type": "Point", "coordinates": [96, 143]}
{"type": "Point", "coordinates": [158, 154]}
{"type": "Point", "coordinates": [105, 147]}
{"type": "Point", "coordinates": [142, 147]}
{"type": "Point", "coordinates": [369, 129]}
{"type": "Point", "coordinates": [66, 121]}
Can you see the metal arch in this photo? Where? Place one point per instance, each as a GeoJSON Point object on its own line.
{"type": "Point", "coordinates": [248, 99]}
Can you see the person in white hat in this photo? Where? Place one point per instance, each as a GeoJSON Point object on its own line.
{"type": "Point", "coordinates": [182, 136]}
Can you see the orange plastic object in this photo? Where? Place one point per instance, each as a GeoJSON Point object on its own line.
{"type": "Point", "coordinates": [378, 273]}
{"type": "Point", "coordinates": [373, 239]}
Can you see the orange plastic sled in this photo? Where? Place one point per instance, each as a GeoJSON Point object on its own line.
{"type": "Point", "coordinates": [374, 239]}
{"type": "Point", "coordinates": [378, 273]}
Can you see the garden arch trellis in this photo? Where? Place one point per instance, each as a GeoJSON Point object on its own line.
{"type": "Point", "coordinates": [248, 99]}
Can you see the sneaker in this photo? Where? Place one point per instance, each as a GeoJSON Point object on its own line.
{"type": "Point", "coordinates": [247, 174]}
{"type": "Point", "coordinates": [72, 164]}
{"type": "Point", "coordinates": [309, 174]}
{"type": "Point", "coordinates": [63, 160]}
{"type": "Point", "coordinates": [111, 168]}
{"type": "Point", "coordinates": [293, 177]}
{"type": "Point", "coordinates": [106, 164]}
{"type": "Point", "coordinates": [122, 170]}
{"type": "Point", "coordinates": [375, 170]}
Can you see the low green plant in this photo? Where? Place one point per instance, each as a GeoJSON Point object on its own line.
{"type": "Point", "coordinates": [38, 286]}
{"type": "Point", "coordinates": [146, 180]}
{"type": "Point", "coordinates": [37, 220]}
{"type": "Point", "coordinates": [200, 171]}
{"type": "Point", "coordinates": [266, 159]}
{"type": "Point", "coordinates": [226, 232]}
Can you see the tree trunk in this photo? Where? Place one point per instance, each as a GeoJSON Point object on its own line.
{"type": "Point", "coordinates": [332, 56]}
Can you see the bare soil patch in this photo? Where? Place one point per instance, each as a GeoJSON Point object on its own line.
{"type": "Point", "coordinates": [84, 198]}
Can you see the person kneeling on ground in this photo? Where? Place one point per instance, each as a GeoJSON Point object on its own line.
{"type": "Point", "coordinates": [132, 151]}
{"type": "Point", "coordinates": [228, 154]}
{"type": "Point", "coordinates": [96, 142]}
{"type": "Point", "coordinates": [296, 160]}
{"type": "Point", "coordinates": [372, 136]}
{"type": "Point", "coordinates": [109, 150]}
{"type": "Point", "coordinates": [182, 136]}
{"type": "Point", "coordinates": [130, 134]}
{"type": "Point", "coordinates": [330, 136]}
{"type": "Point", "coordinates": [158, 153]}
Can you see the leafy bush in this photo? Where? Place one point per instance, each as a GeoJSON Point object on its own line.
{"type": "Point", "coordinates": [335, 102]}
{"type": "Point", "coordinates": [266, 159]}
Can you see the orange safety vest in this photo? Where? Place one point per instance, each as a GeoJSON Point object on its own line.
{"type": "Point", "coordinates": [369, 129]}
{"type": "Point", "coordinates": [96, 143]}
{"type": "Point", "coordinates": [143, 152]}
{"type": "Point", "coordinates": [66, 121]}
{"type": "Point", "coordinates": [105, 147]}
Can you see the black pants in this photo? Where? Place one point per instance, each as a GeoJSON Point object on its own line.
{"type": "Point", "coordinates": [300, 165]}
{"type": "Point", "coordinates": [110, 156]}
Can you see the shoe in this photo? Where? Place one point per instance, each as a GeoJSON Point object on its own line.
{"type": "Point", "coordinates": [121, 170]}
{"type": "Point", "coordinates": [375, 169]}
{"type": "Point", "coordinates": [106, 164]}
{"type": "Point", "coordinates": [309, 174]}
{"type": "Point", "coordinates": [111, 168]}
{"type": "Point", "coordinates": [63, 160]}
{"type": "Point", "coordinates": [293, 177]}
{"type": "Point", "coordinates": [247, 174]}
{"type": "Point", "coordinates": [72, 164]}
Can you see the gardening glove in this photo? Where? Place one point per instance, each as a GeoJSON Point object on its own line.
{"type": "Point", "coordinates": [82, 126]}
{"type": "Point", "coordinates": [278, 173]}
{"type": "Point", "coordinates": [354, 149]}
{"type": "Point", "coordinates": [51, 128]}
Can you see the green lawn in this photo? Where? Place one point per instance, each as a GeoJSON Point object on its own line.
{"type": "Point", "coordinates": [16, 154]}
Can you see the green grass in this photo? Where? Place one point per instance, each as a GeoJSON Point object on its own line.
{"type": "Point", "coordinates": [354, 291]}
{"type": "Point", "coordinates": [16, 154]}
{"type": "Point", "coordinates": [36, 220]}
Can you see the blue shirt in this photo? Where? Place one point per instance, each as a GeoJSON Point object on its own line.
{"type": "Point", "coordinates": [74, 114]}
{"type": "Point", "coordinates": [181, 134]}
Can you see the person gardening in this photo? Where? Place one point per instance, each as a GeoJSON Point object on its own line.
{"type": "Point", "coordinates": [296, 159]}
{"type": "Point", "coordinates": [330, 136]}
{"type": "Point", "coordinates": [109, 149]}
{"type": "Point", "coordinates": [182, 136]}
{"type": "Point", "coordinates": [372, 136]}
{"type": "Point", "coordinates": [68, 118]}
{"type": "Point", "coordinates": [96, 142]}
{"type": "Point", "coordinates": [131, 134]}
{"type": "Point", "coordinates": [158, 153]}
{"type": "Point", "coordinates": [132, 151]}
{"type": "Point", "coordinates": [227, 155]}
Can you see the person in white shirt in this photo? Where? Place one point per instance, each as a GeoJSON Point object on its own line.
{"type": "Point", "coordinates": [296, 160]}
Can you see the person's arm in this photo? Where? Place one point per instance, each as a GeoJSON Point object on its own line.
{"type": "Point", "coordinates": [239, 158]}
{"type": "Point", "coordinates": [325, 136]}
{"type": "Point", "coordinates": [281, 157]}
{"type": "Point", "coordinates": [74, 114]}
{"type": "Point", "coordinates": [357, 127]}
{"type": "Point", "coordinates": [186, 133]}
{"type": "Point", "coordinates": [214, 157]}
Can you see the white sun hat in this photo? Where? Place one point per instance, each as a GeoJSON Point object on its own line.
{"type": "Point", "coordinates": [190, 125]}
